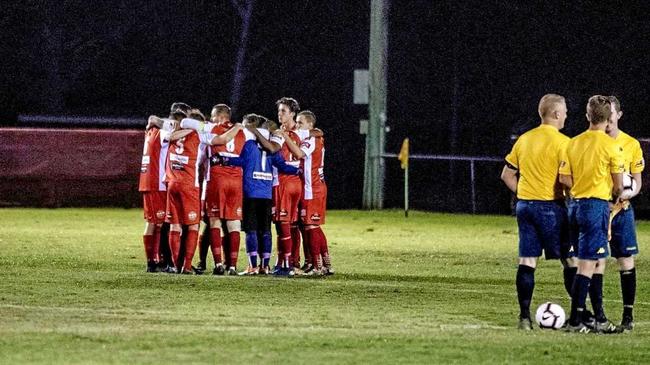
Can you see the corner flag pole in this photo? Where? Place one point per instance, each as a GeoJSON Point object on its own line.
{"type": "Point", "coordinates": [403, 157]}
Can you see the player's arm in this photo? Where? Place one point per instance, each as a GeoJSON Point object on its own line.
{"type": "Point", "coordinates": [154, 122]}
{"type": "Point", "coordinates": [226, 137]}
{"type": "Point", "coordinates": [293, 147]}
{"type": "Point", "coordinates": [176, 135]}
{"type": "Point", "coordinates": [509, 177]}
{"type": "Point", "coordinates": [617, 189]}
{"type": "Point", "coordinates": [566, 180]}
{"type": "Point", "coordinates": [197, 125]}
{"type": "Point", "coordinates": [278, 162]}
{"type": "Point", "coordinates": [316, 133]}
{"type": "Point", "coordinates": [272, 147]}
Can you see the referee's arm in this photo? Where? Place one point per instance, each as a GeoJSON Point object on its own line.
{"type": "Point", "coordinates": [509, 177]}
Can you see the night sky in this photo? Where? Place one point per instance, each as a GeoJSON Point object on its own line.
{"type": "Point", "coordinates": [463, 76]}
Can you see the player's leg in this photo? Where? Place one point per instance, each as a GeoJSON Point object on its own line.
{"type": "Point", "coordinates": [215, 233]}
{"type": "Point", "coordinates": [250, 227]}
{"type": "Point", "coordinates": [263, 215]}
{"type": "Point", "coordinates": [148, 239]}
{"type": "Point", "coordinates": [530, 247]}
{"type": "Point", "coordinates": [173, 218]}
{"type": "Point", "coordinates": [624, 247]}
{"type": "Point", "coordinates": [204, 245]}
{"type": "Point", "coordinates": [190, 241]}
{"type": "Point", "coordinates": [234, 227]}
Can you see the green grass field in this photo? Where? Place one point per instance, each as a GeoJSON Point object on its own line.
{"type": "Point", "coordinates": [433, 288]}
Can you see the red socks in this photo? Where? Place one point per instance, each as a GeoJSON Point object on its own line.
{"type": "Point", "coordinates": [149, 243]}
{"type": "Point", "coordinates": [295, 246]}
{"type": "Point", "coordinates": [215, 244]}
{"type": "Point", "coordinates": [190, 240]}
{"type": "Point", "coordinates": [233, 237]}
{"type": "Point", "coordinates": [174, 246]}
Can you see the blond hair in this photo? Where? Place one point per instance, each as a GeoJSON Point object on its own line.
{"type": "Point", "coordinates": [548, 103]}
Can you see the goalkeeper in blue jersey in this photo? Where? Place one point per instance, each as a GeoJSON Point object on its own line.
{"type": "Point", "coordinates": [257, 165]}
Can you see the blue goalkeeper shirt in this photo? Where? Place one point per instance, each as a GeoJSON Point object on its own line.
{"type": "Point", "coordinates": [257, 165]}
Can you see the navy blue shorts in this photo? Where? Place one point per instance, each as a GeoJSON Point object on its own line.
{"type": "Point", "coordinates": [623, 242]}
{"type": "Point", "coordinates": [543, 226]}
{"type": "Point", "coordinates": [588, 223]}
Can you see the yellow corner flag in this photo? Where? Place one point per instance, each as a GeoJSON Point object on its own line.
{"type": "Point", "coordinates": [404, 154]}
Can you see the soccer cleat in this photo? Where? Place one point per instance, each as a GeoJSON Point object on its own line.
{"type": "Point", "coordinates": [219, 269]}
{"type": "Point", "coordinates": [152, 267]}
{"type": "Point", "coordinates": [328, 271]}
{"type": "Point", "coordinates": [525, 324]}
{"type": "Point", "coordinates": [232, 271]}
{"type": "Point", "coordinates": [170, 270]}
{"type": "Point", "coordinates": [198, 270]}
{"type": "Point", "coordinates": [306, 267]}
{"type": "Point", "coordinates": [580, 328]}
{"type": "Point", "coordinates": [284, 271]}
{"type": "Point", "coordinates": [312, 272]}
{"type": "Point", "coordinates": [249, 271]}
{"type": "Point", "coordinates": [266, 270]}
{"type": "Point", "coordinates": [606, 327]}
{"type": "Point", "coordinates": [297, 271]}
{"type": "Point", "coordinates": [627, 325]}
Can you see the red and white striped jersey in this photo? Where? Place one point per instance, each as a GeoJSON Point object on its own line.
{"type": "Point", "coordinates": [154, 156]}
{"type": "Point", "coordinates": [312, 164]}
{"type": "Point", "coordinates": [182, 166]}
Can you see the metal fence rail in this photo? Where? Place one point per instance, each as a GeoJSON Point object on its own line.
{"type": "Point", "coordinates": [470, 159]}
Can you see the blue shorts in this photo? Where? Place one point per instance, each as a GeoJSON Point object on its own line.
{"type": "Point", "coordinates": [543, 226]}
{"type": "Point", "coordinates": [623, 242]}
{"type": "Point", "coordinates": [588, 223]}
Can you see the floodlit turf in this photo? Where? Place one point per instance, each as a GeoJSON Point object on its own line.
{"type": "Point", "coordinates": [433, 288]}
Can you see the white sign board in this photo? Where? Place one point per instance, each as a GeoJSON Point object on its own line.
{"type": "Point", "coordinates": [361, 86]}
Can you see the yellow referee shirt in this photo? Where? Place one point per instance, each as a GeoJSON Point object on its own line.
{"type": "Point", "coordinates": [590, 158]}
{"type": "Point", "coordinates": [632, 153]}
{"type": "Point", "coordinates": [536, 155]}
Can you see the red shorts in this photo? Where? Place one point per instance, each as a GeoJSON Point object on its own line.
{"type": "Point", "coordinates": [155, 203]}
{"type": "Point", "coordinates": [183, 204]}
{"type": "Point", "coordinates": [313, 210]}
{"type": "Point", "coordinates": [223, 197]}
{"type": "Point", "coordinates": [285, 201]}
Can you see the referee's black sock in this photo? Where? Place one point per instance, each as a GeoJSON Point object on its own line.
{"type": "Point", "coordinates": [579, 298]}
{"type": "Point", "coordinates": [569, 277]}
{"type": "Point", "coordinates": [596, 296]}
{"type": "Point", "coordinates": [525, 286]}
{"type": "Point", "coordinates": [628, 289]}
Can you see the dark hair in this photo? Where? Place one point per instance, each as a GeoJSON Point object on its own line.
{"type": "Point", "coordinates": [290, 102]}
{"type": "Point", "coordinates": [180, 106]}
{"type": "Point", "coordinates": [599, 108]}
{"type": "Point", "coordinates": [253, 119]}
{"type": "Point", "coordinates": [196, 114]}
{"type": "Point", "coordinates": [310, 115]}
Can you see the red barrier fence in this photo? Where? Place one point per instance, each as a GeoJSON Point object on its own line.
{"type": "Point", "coordinates": [70, 167]}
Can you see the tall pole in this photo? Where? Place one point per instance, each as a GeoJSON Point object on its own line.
{"type": "Point", "coordinates": [373, 182]}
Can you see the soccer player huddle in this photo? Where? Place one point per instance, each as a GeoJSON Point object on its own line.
{"type": "Point", "coordinates": [233, 176]}
{"type": "Point", "coordinates": [574, 205]}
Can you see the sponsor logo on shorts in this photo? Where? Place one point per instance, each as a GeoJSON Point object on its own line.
{"type": "Point", "coordinates": [169, 216]}
{"type": "Point", "coordinates": [192, 215]}
{"type": "Point", "coordinates": [215, 210]}
{"type": "Point", "coordinates": [315, 217]}
{"type": "Point", "coordinates": [160, 214]}
{"type": "Point", "coordinates": [600, 251]}
{"type": "Point", "coordinates": [630, 248]}
{"type": "Point", "coordinates": [303, 212]}
{"type": "Point", "coordinates": [283, 213]}
{"type": "Point", "coordinates": [571, 249]}
{"type": "Point", "coordinates": [238, 211]}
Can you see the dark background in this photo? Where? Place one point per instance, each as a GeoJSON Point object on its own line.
{"type": "Point", "coordinates": [463, 76]}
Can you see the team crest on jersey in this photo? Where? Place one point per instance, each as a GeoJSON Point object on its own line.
{"type": "Point", "coordinates": [306, 144]}
{"type": "Point", "coordinates": [303, 212]}
{"type": "Point", "coordinates": [191, 215]}
{"type": "Point", "coordinates": [315, 217]}
{"type": "Point", "coordinates": [238, 211]}
{"type": "Point", "coordinates": [160, 214]}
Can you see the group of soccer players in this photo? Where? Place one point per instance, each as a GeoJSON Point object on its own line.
{"type": "Point", "coordinates": [574, 205]}
{"type": "Point", "coordinates": [225, 173]}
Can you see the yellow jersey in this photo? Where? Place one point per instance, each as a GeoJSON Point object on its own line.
{"type": "Point", "coordinates": [590, 158]}
{"type": "Point", "coordinates": [536, 155]}
{"type": "Point", "coordinates": [632, 153]}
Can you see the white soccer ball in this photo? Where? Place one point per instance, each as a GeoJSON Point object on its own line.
{"type": "Point", "coordinates": [628, 182]}
{"type": "Point", "coordinates": [550, 316]}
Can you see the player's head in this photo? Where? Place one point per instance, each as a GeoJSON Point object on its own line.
{"type": "Point", "coordinates": [552, 109]}
{"type": "Point", "coordinates": [268, 124]}
{"type": "Point", "coordinates": [612, 123]}
{"type": "Point", "coordinates": [251, 120]}
{"type": "Point", "coordinates": [599, 109]}
{"type": "Point", "coordinates": [220, 113]}
{"type": "Point", "coordinates": [306, 120]}
{"type": "Point", "coordinates": [180, 106]}
{"type": "Point", "coordinates": [287, 109]}
{"type": "Point", "coordinates": [196, 114]}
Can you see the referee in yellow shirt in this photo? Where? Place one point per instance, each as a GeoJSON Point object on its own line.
{"type": "Point", "coordinates": [592, 167]}
{"type": "Point", "coordinates": [623, 242]}
{"type": "Point", "coordinates": [531, 171]}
